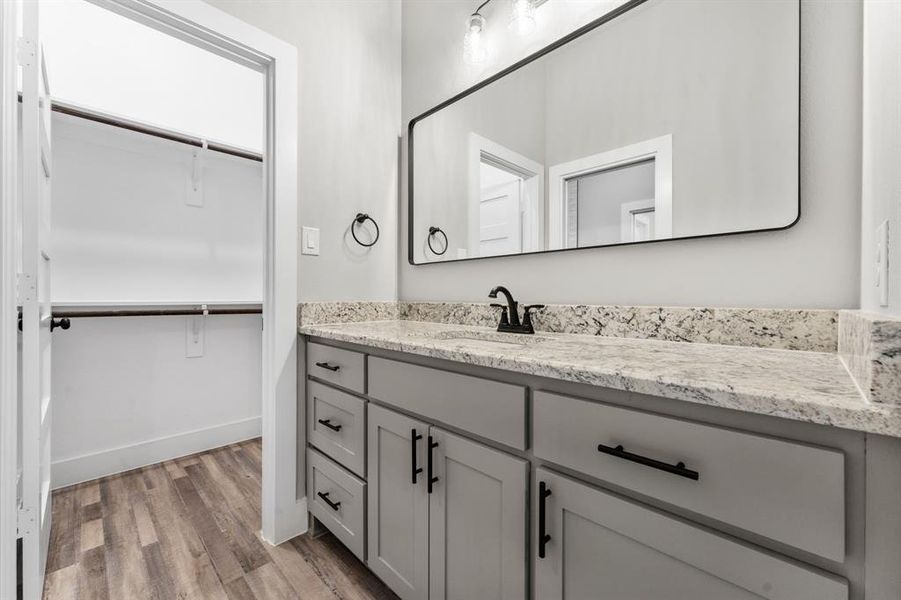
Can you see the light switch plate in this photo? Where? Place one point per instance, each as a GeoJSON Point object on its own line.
{"type": "Point", "coordinates": [882, 266]}
{"type": "Point", "coordinates": [309, 241]}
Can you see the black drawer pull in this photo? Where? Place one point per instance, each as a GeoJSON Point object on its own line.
{"type": "Point", "coordinates": [325, 365]}
{"type": "Point", "coordinates": [328, 423]}
{"type": "Point", "coordinates": [431, 480]}
{"type": "Point", "coordinates": [543, 537]}
{"type": "Point", "coordinates": [414, 437]}
{"type": "Point", "coordinates": [677, 469]}
{"type": "Point", "coordinates": [331, 505]}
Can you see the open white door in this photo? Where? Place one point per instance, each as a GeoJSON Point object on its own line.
{"type": "Point", "coordinates": [500, 219]}
{"type": "Point", "coordinates": [34, 295]}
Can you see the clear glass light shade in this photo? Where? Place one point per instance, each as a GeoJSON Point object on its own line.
{"type": "Point", "coordinates": [474, 50]}
{"type": "Point", "coordinates": [522, 16]}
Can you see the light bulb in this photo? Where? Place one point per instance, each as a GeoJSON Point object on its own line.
{"type": "Point", "coordinates": [522, 17]}
{"type": "Point", "coordinates": [474, 50]}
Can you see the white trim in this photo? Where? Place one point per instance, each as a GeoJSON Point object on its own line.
{"type": "Point", "coordinates": [660, 149]}
{"type": "Point", "coordinates": [532, 173]}
{"type": "Point", "coordinates": [284, 513]}
{"type": "Point", "coordinates": [8, 319]}
{"type": "Point", "coordinates": [77, 469]}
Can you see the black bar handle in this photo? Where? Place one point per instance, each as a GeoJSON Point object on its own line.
{"type": "Point", "coordinates": [325, 365]}
{"type": "Point", "coordinates": [414, 437]}
{"type": "Point", "coordinates": [543, 537]}
{"type": "Point", "coordinates": [676, 469]}
{"type": "Point", "coordinates": [331, 505]}
{"type": "Point", "coordinates": [432, 444]}
{"type": "Point", "coordinates": [328, 423]}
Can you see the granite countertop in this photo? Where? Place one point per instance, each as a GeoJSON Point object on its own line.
{"type": "Point", "coordinates": [803, 386]}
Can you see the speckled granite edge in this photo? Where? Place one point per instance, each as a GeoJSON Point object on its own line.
{"type": "Point", "coordinates": [312, 313]}
{"type": "Point", "coordinates": [785, 329]}
{"type": "Point", "coordinates": [869, 344]}
{"type": "Point", "coordinates": [813, 387]}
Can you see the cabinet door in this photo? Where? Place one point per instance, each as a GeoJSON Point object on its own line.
{"type": "Point", "coordinates": [598, 546]}
{"type": "Point", "coordinates": [477, 521]}
{"type": "Point", "coordinates": [398, 526]}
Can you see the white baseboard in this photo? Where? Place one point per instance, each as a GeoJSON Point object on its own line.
{"type": "Point", "coordinates": [70, 471]}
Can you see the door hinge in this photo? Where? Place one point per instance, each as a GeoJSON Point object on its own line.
{"type": "Point", "coordinates": [25, 54]}
{"type": "Point", "coordinates": [24, 521]}
{"type": "Point", "coordinates": [25, 288]}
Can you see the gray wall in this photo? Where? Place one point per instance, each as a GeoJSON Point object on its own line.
{"type": "Point", "coordinates": [814, 264]}
{"type": "Point", "coordinates": [881, 150]}
{"type": "Point", "coordinates": [349, 93]}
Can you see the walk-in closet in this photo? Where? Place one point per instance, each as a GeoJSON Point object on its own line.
{"type": "Point", "coordinates": [157, 220]}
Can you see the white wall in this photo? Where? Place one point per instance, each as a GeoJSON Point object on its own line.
{"type": "Point", "coordinates": [103, 60]}
{"type": "Point", "coordinates": [881, 149]}
{"type": "Point", "coordinates": [122, 232]}
{"type": "Point", "coordinates": [349, 123]}
{"type": "Point", "coordinates": [125, 395]}
{"type": "Point", "coordinates": [814, 264]}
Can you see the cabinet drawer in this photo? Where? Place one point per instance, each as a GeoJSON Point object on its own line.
{"type": "Point", "coordinates": [789, 492]}
{"type": "Point", "coordinates": [491, 409]}
{"type": "Point", "coordinates": [604, 546]}
{"type": "Point", "coordinates": [337, 425]}
{"type": "Point", "coordinates": [337, 498]}
{"type": "Point", "coordinates": [338, 366]}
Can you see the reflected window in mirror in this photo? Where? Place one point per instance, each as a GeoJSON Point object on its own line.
{"type": "Point", "coordinates": [615, 197]}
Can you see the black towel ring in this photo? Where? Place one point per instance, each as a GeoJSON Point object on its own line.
{"type": "Point", "coordinates": [359, 220]}
{"type": "Point", "coordinates": [432, 231]}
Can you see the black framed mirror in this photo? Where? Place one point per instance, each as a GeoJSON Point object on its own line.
{"type": "Point", "coordinates": [661, 120]}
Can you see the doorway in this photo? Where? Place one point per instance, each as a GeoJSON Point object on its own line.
{"type": "Point", "coordinates": [283, 507]}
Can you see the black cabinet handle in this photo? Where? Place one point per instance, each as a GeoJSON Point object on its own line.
{"type": "Point", "coordinates": [325, 365]}
{"type": "Point", "coordinates": [414, 437]}
{"type": "Point", "coordinates": [431, 480]}
{"type": "Point", "coordinates": [543, 537]}
{"type": "Point", "coordinates": [676, 469]}
{"type": "Point", "coordinates": [331, 505]}
{"type": "Point", "coordinates": [328, 423]}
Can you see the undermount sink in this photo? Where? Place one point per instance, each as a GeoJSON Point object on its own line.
{"type": "Point", "coordinates": [493, 337]}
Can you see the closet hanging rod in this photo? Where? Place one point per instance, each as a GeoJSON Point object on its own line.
{"type": "Point", "coordinates": [122, 123]}
{"type": "Point", "coordinates": [158, 312]}
{"type": "Point", "coordinates": [174, 136]}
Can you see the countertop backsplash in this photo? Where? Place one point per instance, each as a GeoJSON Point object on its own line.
{"type": "Point", "coordinates": [786, 329]}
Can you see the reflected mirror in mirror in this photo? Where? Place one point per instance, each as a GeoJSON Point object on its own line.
{"type": "Point", "coordinates": [665, 119]}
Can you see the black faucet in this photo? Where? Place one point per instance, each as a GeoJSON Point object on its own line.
{"type": "Point", "coordinates": [512, 324]}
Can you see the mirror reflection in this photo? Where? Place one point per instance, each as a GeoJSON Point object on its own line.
{"type": "Point", "coordinates": [668, 121]}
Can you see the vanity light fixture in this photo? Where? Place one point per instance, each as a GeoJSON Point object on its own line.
{"type": "Point", "coordinates": [474, 50]}
{"type": "Point", "coordinates": [522, 21]}
{"type": "Point", "coordinates": [522, 16]}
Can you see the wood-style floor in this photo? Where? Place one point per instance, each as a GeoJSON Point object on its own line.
{"type": "Point", "coordinates": [189, 529]}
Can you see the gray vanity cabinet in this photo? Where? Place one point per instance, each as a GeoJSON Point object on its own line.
{"type": "Point", "coordinates": [598, 545]}
{"type": "Point", "coordinates": [398, 512]}
{"type": "Point", "coordinates": [477, 521]}
{"type": "Point", "coordinates": [462, 536]}
{"type": "Point", "coordinates": [647, 500]}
